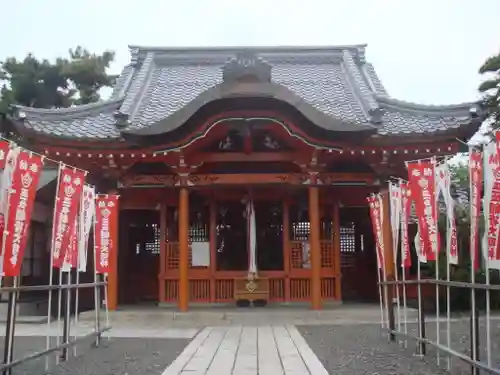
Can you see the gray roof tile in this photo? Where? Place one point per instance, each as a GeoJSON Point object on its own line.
{"type": "Point", "coordinates": [335, 80]}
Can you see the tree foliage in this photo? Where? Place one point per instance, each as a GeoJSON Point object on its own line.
{"type": "Point", "coordinates": [490, 88]}
{"type": "Point", "coordinates": [76, 79]}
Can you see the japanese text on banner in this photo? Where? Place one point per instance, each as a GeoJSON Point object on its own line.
{"type": "Point", "coordinates": [375, 206]}
{"type": "Point", "coordinates": [476, 181]}
{"type": "Point", "coordinates": [69, 192]}
{"type": "Point", "coordinates": [20, 202]}
{"type": "Point", "coordinates": [405, 216]}
{"type": "Point", "coordinates": [422, 181]}
{"type": "Point", "coordinates": [106, 227]}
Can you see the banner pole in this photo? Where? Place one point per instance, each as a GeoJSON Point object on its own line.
{"type": "Point", "coordinates": [66, 317]}
{"type": "Point", "coordinates": [381, 299]}
{"type": "Point", "coordinates": [51, 272]}
{"type": "Point", "coordinates": [488, 312]}
{"type": "Point", "coordinates": [106, 311]}
{"type": "Point", "coordinates": [77, 296]}
{"type": "Point", "coordinates": [448, 307]}
{"type": "Point", "coordinates": [438, 313]}
{"type": "Point", "coordinates": [10, 327]}
{"type": "Point", "coordinates": [421, 322]}
{"type": "Point", "coordinates": [59, 312]}
{"type": "Point", "coordinates": [97, 299]}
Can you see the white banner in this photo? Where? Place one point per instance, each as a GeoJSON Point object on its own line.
{"type": "Point", "coordinates": [491, 164]}
{"type": "Point", "coordinates": [252, 238]}
{"type": "Point", "coordinates": [395, 210]}
{"type": "Point", "coordinates": [86, 218]}
{"type": "Point", "coordinates": [443, 186]}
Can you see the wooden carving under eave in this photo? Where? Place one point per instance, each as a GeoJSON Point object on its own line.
{"type": "Point", "coordinates": [247, 178]}
{"type": "Point", "coordinates": [332, 178]}
{"type": "Point", "coordinates": [160, 180]}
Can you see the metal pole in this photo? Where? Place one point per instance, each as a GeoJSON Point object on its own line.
{"type": "Point", "coordinates": [390, 311]}
{"type": "Point", "coordinates": [474, 343]}
{"type": "Point", "coordinates": [421, 346]}
{"type": "Point", "coordinates": [8, 355]}
{"type": "Point", "coordinates": [66, 317]}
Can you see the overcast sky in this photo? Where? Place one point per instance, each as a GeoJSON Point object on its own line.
{"type": "Point", "coordinates": [425, 51]}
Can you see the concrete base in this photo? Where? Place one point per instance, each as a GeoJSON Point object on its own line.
{"type": "Point", "coordinates": [26, 311]}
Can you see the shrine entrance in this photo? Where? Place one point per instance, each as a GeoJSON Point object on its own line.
{"type": "Point", "coordinates": [138, 263]}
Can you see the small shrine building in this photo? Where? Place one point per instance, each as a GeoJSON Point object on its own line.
{"type": "Point", "coordinates": [189, 136]}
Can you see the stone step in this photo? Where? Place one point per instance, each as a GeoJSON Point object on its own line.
{"type": "Point", "coordinates": [249, 316]}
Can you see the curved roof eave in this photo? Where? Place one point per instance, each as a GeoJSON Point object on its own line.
{"type": "Point", "coordinates": [403, 105]}
{"type": "Point", "coordinates": [248, 90]}
{"type": "Point", "coordinates": [69, 112]}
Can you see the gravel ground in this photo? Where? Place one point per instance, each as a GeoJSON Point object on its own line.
{"type": "Point", "coordinates": [364, 349]}
{"type": "Point", "coordinates": [113, 357]}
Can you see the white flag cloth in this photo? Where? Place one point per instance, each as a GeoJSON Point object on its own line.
{"type": "Point", "coordinates": [252, 238]}
{"type": "Point", "coordinates": [6, 179]}
{"type": "Point", "coordinates": [491, 163]}
{"type": "Point", "coordinates": [86, 218]}
{"type": "Point", "coordinates": [443, 186]}
{"type": "Point", "coordinates": [395, 209]}
{"type": "Point", "coordinates": [421, 256]}
{"type": "Point", "coordinates": [5, 187]}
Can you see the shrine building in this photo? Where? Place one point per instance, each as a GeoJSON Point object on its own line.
{"type": "Point", "coordinates": [244, 171]}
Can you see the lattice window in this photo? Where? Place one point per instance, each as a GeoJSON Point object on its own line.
{"type": "Point", "coordinates": [148, 241]}
{"type": "Point", "coordinates": [199, 230]}
{"type": "Point", "coordinates": [348, 238]}
{"type": "Point", "coordinates": [172, 232]}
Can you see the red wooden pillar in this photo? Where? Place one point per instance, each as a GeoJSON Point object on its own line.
{"type": "Point", "coordinates": [213, 247]}
{"type": "Point", "coordinates": [315, 247]}
{"type": "Point", "coordinates": [183, 249]}
{"type": "Point", "coordinates": [286, 247]}
{"type": "Point", "coordinates": [336, 251]}
{"type": "Point", "coordinates": [163, 252]}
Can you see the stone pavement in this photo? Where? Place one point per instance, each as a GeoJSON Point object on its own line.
{"type": "Point", "coordinates": [263, 350]}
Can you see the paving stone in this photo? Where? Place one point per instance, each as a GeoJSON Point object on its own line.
{"type": "Point", "coordinates": [263, 350]}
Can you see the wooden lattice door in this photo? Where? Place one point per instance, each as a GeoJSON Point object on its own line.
{"type": "Point", "coordinates": [357, 255]}
{"type": "Point", "coordinates": [139, 255]}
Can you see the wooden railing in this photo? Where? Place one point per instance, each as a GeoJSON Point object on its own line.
{"type": "Point", "coordinates": [218, 286]}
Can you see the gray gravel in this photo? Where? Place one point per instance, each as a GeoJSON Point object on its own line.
{"type": "Point", "coordinates": [114, 357]}
{"type": "Point", "coordinates": [364, 349]}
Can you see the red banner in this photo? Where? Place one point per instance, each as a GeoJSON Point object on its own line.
{"type": "Point", "coordinates": [422, 181]}
{"type": "Point", "coordinates": [106, 231]}
{"type": "Point", "coordinates": [4, 150]}
{"type": "Point", "coordinates": [21, 199]}
{"type": "Point", "coordinates": [69, 192]}
{"type": "Point", "coordinates": [405, 216]}
{"type": "Point", "coordinates": [476, 182]}
{"type": "Point", "coordinates": [376, 217]}
{"type": "Point", "coordinates": [71, 257]}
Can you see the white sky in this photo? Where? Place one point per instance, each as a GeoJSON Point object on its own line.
{"type": "Point", "coordinates": [426, 51]}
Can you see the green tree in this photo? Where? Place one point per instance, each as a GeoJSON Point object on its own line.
{"type": "Point", "coordinates": [490, 89]}
{"type": "Point", "coordinates": [66, 81]}
{"type": "Point", "coordinates": [87, 72]}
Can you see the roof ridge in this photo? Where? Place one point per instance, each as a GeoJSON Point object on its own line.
{"type": "Point", "coordinates": [362, 91]}
{"type": "Point", "coordinates": [138, 86]}
{"type": "Point", "coordinates": [136, 49]}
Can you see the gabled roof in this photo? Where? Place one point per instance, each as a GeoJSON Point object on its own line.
{"type": "Point", "coordinates": [159, 83]}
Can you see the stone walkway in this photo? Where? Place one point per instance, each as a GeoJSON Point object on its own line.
{"type": "Point", "coordinates": [263, 350]}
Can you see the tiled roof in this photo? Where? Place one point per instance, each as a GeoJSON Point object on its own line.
{"type": "Point", "coordinates": [160, 81]}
